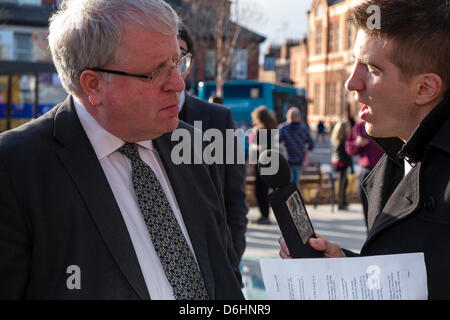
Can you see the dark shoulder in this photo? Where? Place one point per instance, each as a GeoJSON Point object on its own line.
{"type": "Point", "coordinates": [32, 136]}
{"type": "Point", "coordinates": [205, 106]}
{"type": "Point", "coordinates": [186, 126]}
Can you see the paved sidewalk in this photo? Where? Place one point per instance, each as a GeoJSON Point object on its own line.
{"type": "Point", "coordinates": [346, 228]}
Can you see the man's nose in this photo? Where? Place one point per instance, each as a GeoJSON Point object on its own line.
{"type": "Point", "coordinates": [176, 82]}
{"type": "Point", "coordinates": [355, 81]}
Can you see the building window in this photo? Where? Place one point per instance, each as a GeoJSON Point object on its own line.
{"type": "Point", "coordinates": [317, 98]}
{"type": "Point", "coordinates": [331, 37]}
{"type": "Point", "coordinates": [330, 106]}
{"type": "Point", "coordinates": [319, 39]}
{"type": "Point", "coordinates": [336, 33]}
{"type": "Point", "coordinates": [333, 110]}
{"type": "Point", "coordinates": [350, 35]}
{"type": "Point", "coordinates": [22, 47]}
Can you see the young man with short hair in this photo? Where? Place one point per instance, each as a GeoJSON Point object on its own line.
{"type": "Point", "coordinates": [402, 75]}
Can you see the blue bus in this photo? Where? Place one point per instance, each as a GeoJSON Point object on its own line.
{"type": "Point", "coordinates": [243, 96]}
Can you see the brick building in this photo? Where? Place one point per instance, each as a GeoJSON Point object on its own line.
{"type": "Point", "coordinates": [323, 61]}
{"type": "Point", "coordinates": [201, 19]}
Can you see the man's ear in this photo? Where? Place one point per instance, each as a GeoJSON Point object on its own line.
{"type": "Point", "coordinates": [428, 88]}
{"type": "Point", "coordinates": [91, 84]}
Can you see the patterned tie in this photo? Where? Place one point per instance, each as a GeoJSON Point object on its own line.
{"type": "Point", "coordinates": [171, 246]}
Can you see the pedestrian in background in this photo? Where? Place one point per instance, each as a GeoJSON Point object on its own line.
{"type": "Point", "coordinates": [260, 140]}
{"type": "Point", "coordinates": [215, 99]}
{"type": "Point", "coordinates": [359, 144]}
{"type": "Point", "coordinates": [340, 160]}
{"type": "Point", "coordinates": [298, 142]}
{"type": "Point", "coordinates": [321, 131]}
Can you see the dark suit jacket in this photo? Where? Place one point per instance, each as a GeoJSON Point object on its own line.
{"type": "Point", "coordinates": [232, 175]}
{"type": "Point", "coordinates": [57, 210]}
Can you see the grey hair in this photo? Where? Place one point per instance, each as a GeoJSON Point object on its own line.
{"type": "Point", "coordinates": [293, 114]}
{"type": "Point", "coordinates": [86, 33]}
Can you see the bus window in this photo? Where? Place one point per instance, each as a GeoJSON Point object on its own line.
{"type": "Point", "coordinates": [283, 101]}
{"type": "Point", "coordinates": [243, 91]}
{"type": "Point", "coordinates": [281, 105]}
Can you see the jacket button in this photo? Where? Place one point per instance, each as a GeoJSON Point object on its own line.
{"type": "Point", "coordinates": [429, 203]}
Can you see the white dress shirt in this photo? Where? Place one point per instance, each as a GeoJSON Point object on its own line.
{"type": "Point", "coordinates": [117, 168]}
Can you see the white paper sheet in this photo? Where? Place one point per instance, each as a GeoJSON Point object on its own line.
{"type": "Point", "coordinates": [386, 277]}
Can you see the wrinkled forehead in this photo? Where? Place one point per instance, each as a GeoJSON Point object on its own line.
{"type": "Point", "coordinates": [140, 41]}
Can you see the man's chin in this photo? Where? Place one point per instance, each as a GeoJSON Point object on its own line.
{"type": "Point", "coordinates": [375, 132]}
{"type": "Point", "coordinates": [371, 130]}
{"type": "Point", "coordinates": [172, 124]}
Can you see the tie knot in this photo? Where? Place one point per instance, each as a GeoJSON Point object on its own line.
{"type": "Point", "coordinates": [129, 150]}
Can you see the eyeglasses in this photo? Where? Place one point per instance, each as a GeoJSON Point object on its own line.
{"type": "Point", "coordinates": [159, 76]}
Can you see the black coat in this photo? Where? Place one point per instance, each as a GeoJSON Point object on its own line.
{"type": "Point", "coordinates": [412, 213]}
{"type": "Point", "coordinates": [57, 210]}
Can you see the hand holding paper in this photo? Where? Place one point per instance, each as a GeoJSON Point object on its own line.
{"type": "Point", "coordinates": [387, 277]}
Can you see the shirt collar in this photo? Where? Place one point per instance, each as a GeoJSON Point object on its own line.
{"type": "Point", "coordinates": [103, 142]}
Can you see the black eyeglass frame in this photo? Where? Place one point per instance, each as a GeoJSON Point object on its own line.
{"type": "Point", "coordinates": [148, 76]}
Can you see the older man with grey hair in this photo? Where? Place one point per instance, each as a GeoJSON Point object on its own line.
{"type": "Point", "coordinates": [298, 142]}
{"type": "Point", "coordinates": [91, 205]}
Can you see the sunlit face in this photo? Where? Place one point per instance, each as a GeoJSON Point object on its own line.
{"type": "Point", "coordinates": [377, 84]}
{"type": "Point", "coordinates": [132, 108]}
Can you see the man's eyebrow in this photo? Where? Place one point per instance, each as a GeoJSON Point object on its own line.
{"type": "Point", "coordinates": [368, 62]}
{"type": "Point", "coordinates": [373, 64]}
{"type": "Point", "coordinates": [162, 64]}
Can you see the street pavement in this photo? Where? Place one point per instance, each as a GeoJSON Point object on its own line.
{"type": "Point", "coordinates": [346, 228]}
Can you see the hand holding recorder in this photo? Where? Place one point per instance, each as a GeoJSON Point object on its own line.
{"type": "Point", "coordinates": [288, 207]}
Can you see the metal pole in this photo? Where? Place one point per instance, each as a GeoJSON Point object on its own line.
{"type": "Point", "coordinates": [9, 103]}
{"type": "Point", "coordinates": [36, 96]}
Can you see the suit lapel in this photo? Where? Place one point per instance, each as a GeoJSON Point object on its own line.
{"type": "Point", "coordinates": [398, 199]}
{"type": "Point", "coordinates": [81, 162]}
{"type": "Point", "coordinates": [192, 210]}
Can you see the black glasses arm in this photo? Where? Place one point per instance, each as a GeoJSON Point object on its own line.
{"type": "Point", "coordinates": [144, 76]}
